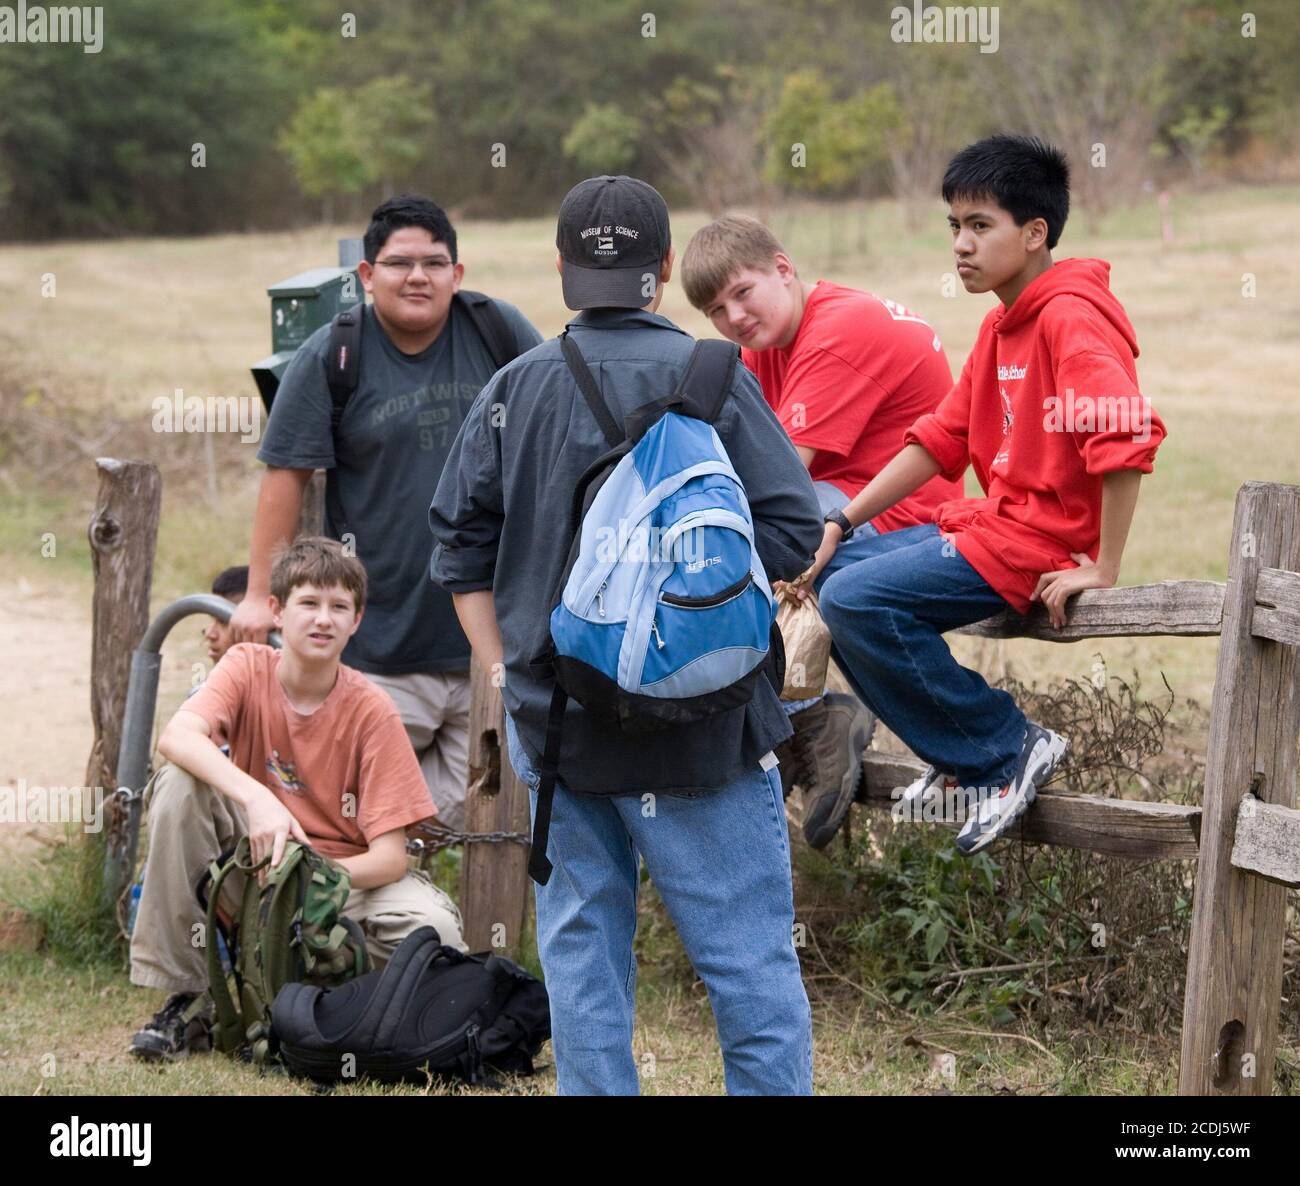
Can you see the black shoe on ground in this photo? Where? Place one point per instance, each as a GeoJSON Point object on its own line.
{"type": "Point", "coordinates": [175, 1031]}
{"type": "Point", "coordinates": [829, 739]}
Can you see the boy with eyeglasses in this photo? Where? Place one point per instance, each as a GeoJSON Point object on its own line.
{"type": "Point", "coordinates": [422, 363]}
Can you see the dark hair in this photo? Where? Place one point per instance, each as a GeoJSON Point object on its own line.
{"type": "Point", "coordinates": [315, 560]}
{"type": "Point", "coordinates": [1027, 178]}
{"type": "Point", "coordinates": [231, 580]}
{"type": "Point", "coordinates": [408, 210]}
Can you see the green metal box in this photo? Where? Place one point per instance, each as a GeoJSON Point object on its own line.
{"type": "Point", "coordinates": [299, 307]}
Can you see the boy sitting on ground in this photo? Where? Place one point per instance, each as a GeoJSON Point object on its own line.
{"type": "Point", "coordinates": [318, 754]}
{"type": "Point", "coordinates": [846, 372]}
{"type": "Point", "coordinates": [1048, 411]}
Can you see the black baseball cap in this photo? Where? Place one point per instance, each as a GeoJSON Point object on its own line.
{"type": "Point", "coordinates": [612, 235]}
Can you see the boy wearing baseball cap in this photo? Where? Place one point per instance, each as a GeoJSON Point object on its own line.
{"type": "Point", "coordinates": [700, 802]}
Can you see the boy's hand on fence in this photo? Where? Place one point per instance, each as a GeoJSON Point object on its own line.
{"type": "Point", "coordinates": [1055, 588]}
{"type": "Point", "coordinates": [270, 824]}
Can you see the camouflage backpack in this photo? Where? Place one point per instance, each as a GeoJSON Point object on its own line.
{"type": "Point", "coordinates": [289, 930]}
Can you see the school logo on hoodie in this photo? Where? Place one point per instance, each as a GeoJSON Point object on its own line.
{"type": "Point", "coordinates": [1008, 419]}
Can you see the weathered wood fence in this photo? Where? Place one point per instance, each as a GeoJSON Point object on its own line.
{"type": "Point", "coordinates": [1245, 836]}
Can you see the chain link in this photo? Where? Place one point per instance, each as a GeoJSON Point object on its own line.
{"type": "Point", "coordinates": [437, 836]}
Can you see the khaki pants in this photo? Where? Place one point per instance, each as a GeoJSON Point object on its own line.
{"type": "Point", "coordinates": [190, 824]}
{"type": "Point", "coordinates": [435, 712]}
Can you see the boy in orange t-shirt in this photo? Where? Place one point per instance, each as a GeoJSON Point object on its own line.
{"type": "Point", "coordinates": [317, 754]}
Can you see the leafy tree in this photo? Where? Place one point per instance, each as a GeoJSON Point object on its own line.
{"type": "Point", "coordinates": [94, 144]}
{"type": "Point", "coordinates": [326, 144]}
{"type": "Point", "coordinates": [604, 140]}
{"type": "Point", "coordinates": [344, 143]}
{"type": "Point", "coordinates": [820, 145]}
{"type": "Point", "coordinates": [1196, 132]}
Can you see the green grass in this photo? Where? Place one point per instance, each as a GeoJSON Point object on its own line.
{"type": "Point", "coordinates": [65, 1026]}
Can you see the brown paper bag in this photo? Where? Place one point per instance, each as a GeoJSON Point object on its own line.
{"type": "Point", "coordinates": [807, 646]}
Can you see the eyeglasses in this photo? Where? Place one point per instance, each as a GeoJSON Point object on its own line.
{"type": "Point", "coordinates": [403, 267]}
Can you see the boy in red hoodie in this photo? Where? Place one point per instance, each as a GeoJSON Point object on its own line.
{"type": "Point", "coordinates": [1048, 411]}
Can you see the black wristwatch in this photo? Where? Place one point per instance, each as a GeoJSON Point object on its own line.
{"type": "Point", "coordinates": [839, 519]}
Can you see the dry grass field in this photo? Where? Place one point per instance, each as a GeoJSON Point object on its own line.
{"type": "Point", "coordinates": [135, 319]}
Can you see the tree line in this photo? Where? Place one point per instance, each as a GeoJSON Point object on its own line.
{"type": "Point", "coordinates": [249, 114]}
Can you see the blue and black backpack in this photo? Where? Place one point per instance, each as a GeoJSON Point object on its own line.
{"type": "Point", "coordinates": [663, 614]}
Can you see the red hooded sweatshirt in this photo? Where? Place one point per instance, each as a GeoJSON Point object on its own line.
{"type": "Point", "coordinates": [1047, 403]}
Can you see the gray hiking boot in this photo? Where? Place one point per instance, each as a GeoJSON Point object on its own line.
{"type": "Point", "coordinates": [179, 1028]}
{"type": "Point", "coordinates": [829, 740]}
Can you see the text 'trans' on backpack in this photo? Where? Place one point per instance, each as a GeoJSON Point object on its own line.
{"type": "Point", "coordinates": [430, 1007]}
{"type": "Point", "coordinates": [289, 929]}
{"type": "Point", "coordinates": [664, 614]}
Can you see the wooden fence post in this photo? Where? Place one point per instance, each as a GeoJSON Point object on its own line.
{"type": "Point", "coordinates": [1234, 966]}
{"type": "Point", "coordinates": [494, 878]}
{"type": "Point", "coordinates": [123, 534]}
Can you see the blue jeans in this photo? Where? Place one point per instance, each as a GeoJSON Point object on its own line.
{"type": "Point", "coordinates": [721, 863]}
{"type": "Point", "coordinates": [887, 613]}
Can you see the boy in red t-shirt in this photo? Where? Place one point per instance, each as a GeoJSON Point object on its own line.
{"type": "Point", "coordinates": [847, 373]}
{"type": "Point", "coordinates": [1049, 412]}
{"type": "Point", "coordinates": [317, 754]}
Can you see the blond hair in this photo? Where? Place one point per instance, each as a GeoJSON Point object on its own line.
{"type": "Point", "coordinates": [315, 560]}
{"type": "Point", "coordinates": [718, 251]}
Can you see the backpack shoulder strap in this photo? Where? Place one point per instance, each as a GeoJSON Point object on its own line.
{"type": "Point", "coordinates": [228, 1031]}
{"type": "Point", "coordinates": [491, 326]}
{"type": "Point", "coordinates": [707, 380]}
{"type": "Point", "coordinates": [590, 392]}
{"type": "Point", "coordinates": [344, 360]}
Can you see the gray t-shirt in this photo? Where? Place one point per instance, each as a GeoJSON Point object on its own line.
{"type": "Point", "coordinates": [384, 467]}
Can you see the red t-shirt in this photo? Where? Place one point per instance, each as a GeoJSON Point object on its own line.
{"type": "Point", "coordinates": [1047, 403]}
{"type": "Point", "coordinates": [346, 772]}
{"type": "Point", "coordinates": [859, 372]}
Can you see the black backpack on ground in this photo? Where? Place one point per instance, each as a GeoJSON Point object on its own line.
{"type": "Point", "coordinates": [431, 1005]}
{"type": "Point", "coordinates": [344, 358]}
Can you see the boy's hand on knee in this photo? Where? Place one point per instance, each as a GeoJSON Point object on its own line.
{"type": "Point", "coordinates": [1055, 588]}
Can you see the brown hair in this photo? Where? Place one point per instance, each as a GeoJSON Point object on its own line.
{"type": "Point", "coordinates": [718, 251]}
{"type": "Point", "coordinates": [315, 560]}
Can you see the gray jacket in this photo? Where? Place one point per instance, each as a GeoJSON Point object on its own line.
{"type": "Point", "coordinates": [500, 522]}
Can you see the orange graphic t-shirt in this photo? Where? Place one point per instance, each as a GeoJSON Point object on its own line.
{"type": "Point", "coordinates": [346, 772]}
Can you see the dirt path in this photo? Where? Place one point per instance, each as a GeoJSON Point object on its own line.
{"type": "Point", "coordinates": [45, 729]}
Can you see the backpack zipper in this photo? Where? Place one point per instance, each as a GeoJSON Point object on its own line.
{"type": "Point", "coordinates": [654, 629]}
{"type": "Point", "coordinates": [600, 598]}
{"type": "Point", "coordinates": [709, 602]}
